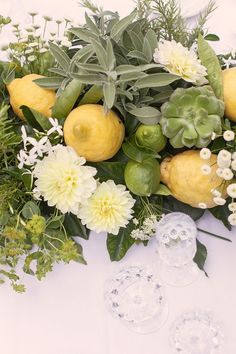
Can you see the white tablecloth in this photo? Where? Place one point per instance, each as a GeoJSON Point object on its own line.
{"type": "Point", "coordinates": [65, 314]}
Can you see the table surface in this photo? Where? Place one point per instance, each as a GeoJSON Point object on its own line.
{"type": "Point", "coordinates": [65, 314]}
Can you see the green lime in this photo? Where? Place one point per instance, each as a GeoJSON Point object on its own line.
{"type": "Point", "coordinates": [151, 136]}
{"type": "Point", "coordinates": [142, 178]}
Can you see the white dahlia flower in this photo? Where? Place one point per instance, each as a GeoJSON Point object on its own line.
{"type": "Point", "coordinates": [63, 181]}
{"type": "Point", "coordinates": [181, 61]}
{"type": "Point", "coordinates": [108, 209]}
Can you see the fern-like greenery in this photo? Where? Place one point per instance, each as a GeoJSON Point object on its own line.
{"type": "Point", "coordinates": [165, 18]}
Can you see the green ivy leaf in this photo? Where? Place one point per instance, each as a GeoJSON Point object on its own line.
{"type": "Point", "coordinates": [201, 256]}
{"type": "Point", "coordinates": [74, 227]}
{"type": "Point", "coordinates": [110, 170]}
{"type": "Point", "coordinates": [30, 209]}
{"type": "Point", "coordinates": [118, 245]}
{"type": "Point", "coordinates": [173, 205]}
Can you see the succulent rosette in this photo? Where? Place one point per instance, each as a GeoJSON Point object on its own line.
{"type": "Point", "coordinates": [191, 116]}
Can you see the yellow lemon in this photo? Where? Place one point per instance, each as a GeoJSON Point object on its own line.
{"type": "Point", "coordinates": [229, 79]}
{"type": "Point", "coordinates": [182, 174]}
{"type": "Point", "coordinates": [25, 92]}
{"type": "Point", "coordinates": [92, 133]}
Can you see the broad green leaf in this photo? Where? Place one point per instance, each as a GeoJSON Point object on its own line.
{"type": "Point", "coordinates": [109, 91]}
{"type": "Point", "coordinates": [74, 226]}
{"type": "Point", "coordinates": [56, 222]}
{"type": "Point", "coordinates": [30, 209]}
{"type": "Point", "coordinates": [171, 205]}
{"type": "Point", "coordinates": [146, 115]}
{"type": "Point", "coordinates": [163, 190]}
{"type": "Point", "coordinates": [93, 95]}
{"type": "Point", "coordinates": [119, 27]}
{"type": "Point", "coordinates": [222, 213]}
{"type": "Point", "coordinates": [118, 245]}
{"type": "Point", "coordinates": [201, 256]}
{"type": "Point", "coordinates": [60, 56]}
{"type": "Point", "coordinates": [134, 153]}
{"type": "Point", "coordinates": [66, 101]}
{"type": "Point", "coordinates": [51, 83]}
{"type": "Point", "coordinates": [110, 170]}
{"type": "Point", "coordinates": [83, 55]}
{"type": "Point", "coordinates": [27, 179]}
{"type": "Point", "coordinates": [211, 37]}
{"type": "Point", "coordinates": [127, 69]}
{"type": "Point", "coordinates": [36, 119]}
{"type": "Point", "coordinates": [210, 61]}
{"type": "Point", "coordinates": [156, 80]}
{"type": "Point", "coordinates": [91, 25]}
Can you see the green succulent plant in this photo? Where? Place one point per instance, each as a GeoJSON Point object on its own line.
{"type": "Point", "coordinates": [191, 116]}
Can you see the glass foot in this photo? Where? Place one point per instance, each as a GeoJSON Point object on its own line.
{"type": "Point", "coordinates": [178, 276]}
{"type": "Point", "coordinates": [196, 333]}
{"type": "Point", "coordinates": [135, 296]}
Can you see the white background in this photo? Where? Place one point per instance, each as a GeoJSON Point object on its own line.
{"type": "Point", "coordinates": [64, 314]}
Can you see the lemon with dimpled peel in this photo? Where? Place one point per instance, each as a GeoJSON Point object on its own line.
{"type": "Point", "coordinates": [229, 81]}
{"type": "Point", "coordinates": [25, 92]}
{"type": "Point", "coordinates": [183, 176]}
{"type": "Point", "coordinates": [92, 133]}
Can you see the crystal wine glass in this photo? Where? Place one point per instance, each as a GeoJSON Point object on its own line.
{"type": "Point", "coordinates": [196, 333]}
{"type": "Point", "coordinates": [176, 234]}
{"type": "Point", "coordinates": [135, 296]}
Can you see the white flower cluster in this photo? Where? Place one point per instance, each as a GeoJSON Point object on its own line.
{"type": "Point", "coordinates": [226, 167]}
{"type": "Point", "coordinates": [180, 61]}
{"type": "Point", "coordinates": [35, 149]}
{"type": "Point", "coordinates": [146, 230]}
{"type": "Point", "coordinates": [230, 61]}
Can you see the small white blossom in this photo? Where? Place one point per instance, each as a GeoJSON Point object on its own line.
{"type": "Point", "coordinates": [232, 207]}
{"type": "Point", "coordinates": [219, 172]}
{"type": "Point", "coordinates": [234, 156]}
{"type": "Point", "coordinates": [66, 43]}
{"type": "Point", "coordinates": [233, 165]}
{"type": "Point", "coordinates": [39, 147]}
{"type": "Point", "coordinates": [231, 190]}
{"type": "Point", "coordinates": [219, 201]}
{"type": "Point", "coordinates": [213, 136]}
{"type": "Point", "coordinates": [205, 154]}
{"type": "Point", "coordinates": [24, 136]}
{"type": "Point", "coordinates": [29, 51]}
{"type": "Point", "coordinates": [32, 58]}
{"type": "Point", "coordinates": [206, 169]}
{"type": "Point", "coordinates": [227, 174]}
{"type": "Point", "coordinates": [232, 219]}
{"type": "Point", "coordinates": [216, 193]}
{"type": "Point", "coordinates": [202, 205]}
{"type": "Point", "coordinates": [224, 158]}
{"type": "Point", "coordinates": [33, 45]}
{"type": "Point", "coordinates": [36, 194]}
{"type": "Point", "coordinates": [55, 127]}
{"type": "Point", "coordinates": [229, 135]}
{"type": "Point", "coordinates": [25, 159]}
{"type": "Point", "coordinates": [135, 221]}
{"type": "Point", "coordinates": [42, 50]}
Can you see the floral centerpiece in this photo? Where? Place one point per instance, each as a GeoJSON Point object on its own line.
{"type": "Point", "coordinates": [108, 128]}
